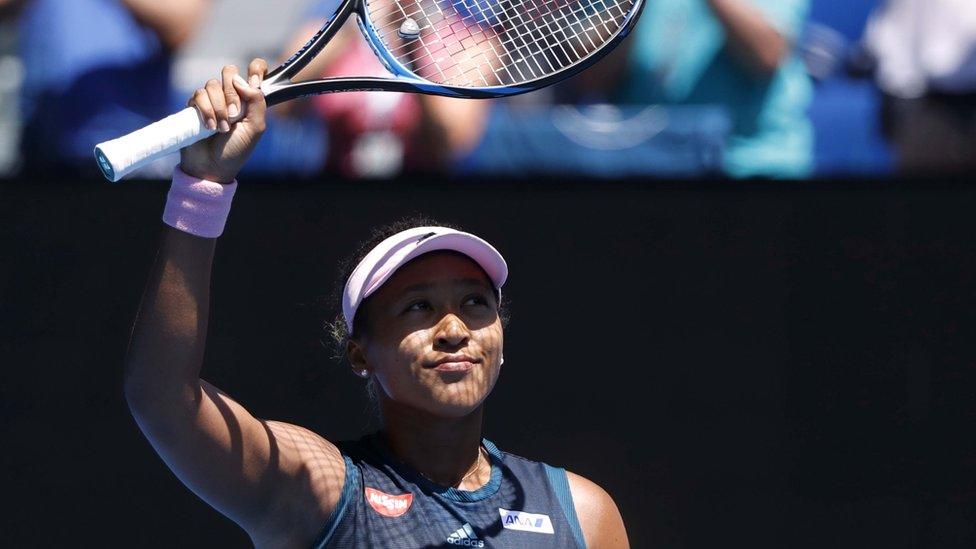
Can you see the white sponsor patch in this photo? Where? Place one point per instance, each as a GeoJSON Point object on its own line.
{"type": "Point", "coordinates": [526, 522]}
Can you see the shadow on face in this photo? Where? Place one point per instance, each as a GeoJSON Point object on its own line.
{"type": "Point", "coordinates": [433, 337]}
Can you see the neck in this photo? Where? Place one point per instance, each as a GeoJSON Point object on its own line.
{"type": "Point", "coordinates": [445, 450]}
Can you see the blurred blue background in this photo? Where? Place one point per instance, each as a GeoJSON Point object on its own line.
{"type": "Point", "coordinates": [698, 90]}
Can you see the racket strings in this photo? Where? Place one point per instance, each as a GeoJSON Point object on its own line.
{"type": "Point", "coordinates": [518, 39]}
{"type": "Point", "coordinates": [529, 49]}
{"type": "Point", "coordinates": [508, 43]}
{"type": "Point", "coordinates": [541, 50]}
{"type": "Point", "coordinates": [497, 42]}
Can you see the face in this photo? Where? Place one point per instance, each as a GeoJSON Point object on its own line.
{"type": "Point", "coordinates": [433, 337]}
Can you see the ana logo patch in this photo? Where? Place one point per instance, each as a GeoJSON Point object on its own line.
{"type": "Point", "coordinates": [388, 505]}
{"type": "Point", "coordinates": [526, 522]}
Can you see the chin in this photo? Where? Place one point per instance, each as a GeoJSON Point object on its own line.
{"type": "Point", "coordinates": [455, 401]}
{"type": "Point", "coordinates": [459, 399]}
{"type": "Point", "coordinates": [453, 410]}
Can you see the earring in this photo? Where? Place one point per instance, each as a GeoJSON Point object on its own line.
{"type": "Point", "coordinates": [502, 361]}
{"type": "Point", "coordinates": [363, 373]}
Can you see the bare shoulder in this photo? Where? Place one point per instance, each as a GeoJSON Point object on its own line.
{"type": "Point", "coordinates": [603, 527]}
{"type": "Point", "coordinates": [314, 473]}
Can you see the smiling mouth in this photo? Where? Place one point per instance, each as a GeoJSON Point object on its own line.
{"type": "Point", "coordinates": [455, 363]}
{"type": "Point", "coordinates": [462, 366]}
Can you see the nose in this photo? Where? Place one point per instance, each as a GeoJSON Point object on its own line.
{"type": "Point", "coordinates": [451, 332]}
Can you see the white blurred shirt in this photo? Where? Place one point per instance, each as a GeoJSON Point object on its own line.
{"type": "Point", "coordinates": [924, 45]}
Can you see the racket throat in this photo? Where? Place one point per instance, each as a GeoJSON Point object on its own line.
{"type": "Point", "coordinates": [287, 71]}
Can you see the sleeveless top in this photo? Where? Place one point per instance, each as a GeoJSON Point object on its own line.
{"type": "Point", "coordinates": [386, 504]}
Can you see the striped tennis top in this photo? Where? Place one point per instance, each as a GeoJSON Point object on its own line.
{"type": "Point", "coordinates": [385, 503]}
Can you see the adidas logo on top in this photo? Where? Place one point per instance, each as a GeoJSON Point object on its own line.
{"type": "Point", "coordinates": [465, 537]}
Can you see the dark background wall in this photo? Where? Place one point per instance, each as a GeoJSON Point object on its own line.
{"type": "Point", "coordinates": [754, 365]}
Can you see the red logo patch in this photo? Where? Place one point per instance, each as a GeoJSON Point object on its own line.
{"type": "Point", "coordinates": [387, 505]}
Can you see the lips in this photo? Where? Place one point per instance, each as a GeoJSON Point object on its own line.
{"type": "Point", "coordinates": [454, 363]}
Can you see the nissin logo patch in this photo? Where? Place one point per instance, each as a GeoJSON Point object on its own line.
{"type": "Point", "coordinates": [387, 505]}
{"type": "Point", "coordinates": [526, 522]}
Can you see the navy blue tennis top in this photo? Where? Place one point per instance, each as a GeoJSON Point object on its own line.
{"type": "Point", "coordinates": [385, 503]}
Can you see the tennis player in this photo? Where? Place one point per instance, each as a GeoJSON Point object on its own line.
{"type": "Point", "coordinates": [421, 315]}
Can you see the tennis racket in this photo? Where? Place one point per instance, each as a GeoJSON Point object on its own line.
{"type": "Point", "coordinates": [458, 48]}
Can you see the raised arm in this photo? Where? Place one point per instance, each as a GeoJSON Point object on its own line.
{"type": "Point", "coordinates": [277, 481]}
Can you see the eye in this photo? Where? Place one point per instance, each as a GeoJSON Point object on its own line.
{"type": "Point", "coordinates": [476, 300]}
{"type": "Point", "coordinates": [417, 306]}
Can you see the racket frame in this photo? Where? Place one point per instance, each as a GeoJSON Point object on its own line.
{"type": "Point", "coordinates": [279, 87]}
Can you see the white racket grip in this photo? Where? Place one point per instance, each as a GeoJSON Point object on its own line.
{"type": "Point", "coordinates": [120, 157]}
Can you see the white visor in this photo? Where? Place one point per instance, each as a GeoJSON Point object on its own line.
{"type": "Point", "coordinates": [394, 252]}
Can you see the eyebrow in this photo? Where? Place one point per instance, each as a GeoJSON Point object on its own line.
{"type": "Point", "coordinates": [461, 281]}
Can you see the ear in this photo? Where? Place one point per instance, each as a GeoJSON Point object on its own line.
{"type": "Point", "coordinates": [356, 356]}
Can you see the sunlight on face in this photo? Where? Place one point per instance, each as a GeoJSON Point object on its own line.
{"type": "Point", "coordinates": [434, 337]}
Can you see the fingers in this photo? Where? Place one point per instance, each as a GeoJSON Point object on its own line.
{"type": "Point", "coordinates": [256, 72]}
{"type": "Point", "coordinates": [201, 100]}
{"type": "Point", "coordinates": [230, 94]}
{"type": "Point", "coordinates": [216, 92]}
{"type": "Point", "coordinates": [252, 93]}
{"type": "Point", "coordinates": [224, 102]}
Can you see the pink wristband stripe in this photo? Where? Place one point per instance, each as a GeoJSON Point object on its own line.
{"type": "Point", "coordinates": [197, 206]}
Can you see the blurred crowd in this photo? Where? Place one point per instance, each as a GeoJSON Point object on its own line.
{"type": "Point", "coordinates": [744, 88]}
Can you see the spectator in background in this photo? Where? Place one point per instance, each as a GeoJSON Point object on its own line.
{"type": "Point", "coordinates": [738, 54]}
{"type": "Point", "coordinates": [96, 69]}
{"type": "Point", "coordinates": [379, 134]}
{"type": "Point", "coordinates": [926, 65]}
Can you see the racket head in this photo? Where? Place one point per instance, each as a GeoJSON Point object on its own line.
{"type": "Point", "coordinates": [493, 48]}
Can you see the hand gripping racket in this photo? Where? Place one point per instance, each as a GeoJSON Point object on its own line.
{"type": "Point", "coordinates": [456, 48]}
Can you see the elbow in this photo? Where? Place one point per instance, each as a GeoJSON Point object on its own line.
{"type": "Point", "coordinates": [462, 142]}
{"type": "Point", "coordinates": [771, 59]}
{"type": "Point", "coordinates": [771, 54]}
{"type": "Point", "coordinates": [175, 39]}
{"type": "Point", "coordinates": [178, 29]}
{"type": "Point", "coordinates": [148, 396]}
{"type": "Point", "coordinates": [160, 414]}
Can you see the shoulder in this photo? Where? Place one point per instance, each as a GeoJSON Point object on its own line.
{"type": "Point", "coordinates": [602, 525]}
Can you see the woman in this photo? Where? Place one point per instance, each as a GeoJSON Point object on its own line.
{"type": "Point", "coordinates": [421, 312]}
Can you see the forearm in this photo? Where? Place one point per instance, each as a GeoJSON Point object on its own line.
{"type": "Point", "coordinates": [751, 37]}
{"type": "Point", "coordinates": [166, 350]}
{"type": "Point", "coordinates": [173, 20]}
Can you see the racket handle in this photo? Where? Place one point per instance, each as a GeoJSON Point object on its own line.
{"type": "Point", "coordinates": [120, 157]}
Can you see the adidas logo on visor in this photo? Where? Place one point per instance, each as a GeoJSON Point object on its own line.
{"type": "Point", "coordinates": [465, 537]}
